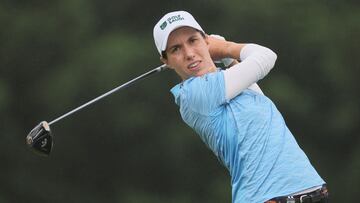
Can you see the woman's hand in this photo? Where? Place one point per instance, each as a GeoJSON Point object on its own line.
{"type": "Point", "coordinates": [219, 48]}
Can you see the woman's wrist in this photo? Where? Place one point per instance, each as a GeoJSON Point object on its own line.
{"type": "Point", "coordinates": [234, 49]}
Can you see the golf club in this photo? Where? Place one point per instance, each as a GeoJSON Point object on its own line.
{"type": "Point", "coordinates": [40, 138]}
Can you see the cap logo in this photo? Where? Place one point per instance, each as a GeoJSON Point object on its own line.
{"type": "Point", "coordinates": [174, 19]}
{"type": "Point", "coordinates": [163, 25]}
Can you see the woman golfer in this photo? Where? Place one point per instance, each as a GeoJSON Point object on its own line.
{"type": "Point", "coordinates": [233, 117]}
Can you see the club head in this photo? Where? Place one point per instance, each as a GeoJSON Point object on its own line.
{"type": "Point", "coordinates": [40, 139]}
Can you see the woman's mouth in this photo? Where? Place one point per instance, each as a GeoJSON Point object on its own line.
{"type": "Point", "coordinates": [194, 66]}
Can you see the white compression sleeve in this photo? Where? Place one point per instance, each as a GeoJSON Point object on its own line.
{"type": "Point", "coordinates": [256, 62]}
{"type": "Point", "coordinates": [256, 88]}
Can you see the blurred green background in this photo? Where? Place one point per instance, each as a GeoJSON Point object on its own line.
{"type": "Point", "coordinates": [133, 147]}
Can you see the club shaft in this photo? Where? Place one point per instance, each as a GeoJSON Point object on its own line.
{"type": "Point", "coordinates": [155, 70]}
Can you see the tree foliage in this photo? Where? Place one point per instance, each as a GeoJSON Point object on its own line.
{"type": "Point", "coordinates": [133, 147]}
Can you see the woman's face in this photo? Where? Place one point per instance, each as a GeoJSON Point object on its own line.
{"type": "Point", "coordinates": [188, 54]}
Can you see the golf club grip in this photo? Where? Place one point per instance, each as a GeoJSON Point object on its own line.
{"type": "Point", "coordinates": [155, 70]}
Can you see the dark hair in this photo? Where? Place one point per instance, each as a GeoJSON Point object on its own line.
{"type": "Point", "coordinates": [163, 53]}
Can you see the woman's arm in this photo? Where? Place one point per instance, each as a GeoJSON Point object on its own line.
{"type": "Point", "coordinates": [256, 62]}
{"type": "Point", "coordinates": [255, 87]}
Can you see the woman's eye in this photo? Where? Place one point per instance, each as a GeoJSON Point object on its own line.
{"type": "Point", "coordinates": [175, 49]}
{"type": "Point", "coordinates": [193, 40]}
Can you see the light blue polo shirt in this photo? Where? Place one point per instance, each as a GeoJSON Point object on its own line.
{"type": "Point", "coordinates": [250, 138]}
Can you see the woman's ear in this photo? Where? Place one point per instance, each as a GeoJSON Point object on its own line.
{"type": "Point", "coordinates": [165, 61]}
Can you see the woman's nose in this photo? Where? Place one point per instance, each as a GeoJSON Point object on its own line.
{"type": "Point", "coordinates": [188, 52]}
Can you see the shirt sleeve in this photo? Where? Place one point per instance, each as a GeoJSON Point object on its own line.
{"type": "Point", "coordinates": [255, 87]}
{"type": "Point", "coordinates": [204, 94]}
{"type": "Point", "coordinates": [256, 63]}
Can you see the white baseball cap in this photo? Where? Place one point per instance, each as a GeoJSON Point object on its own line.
{"type": "Point", "coordinates": [169, 23]}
